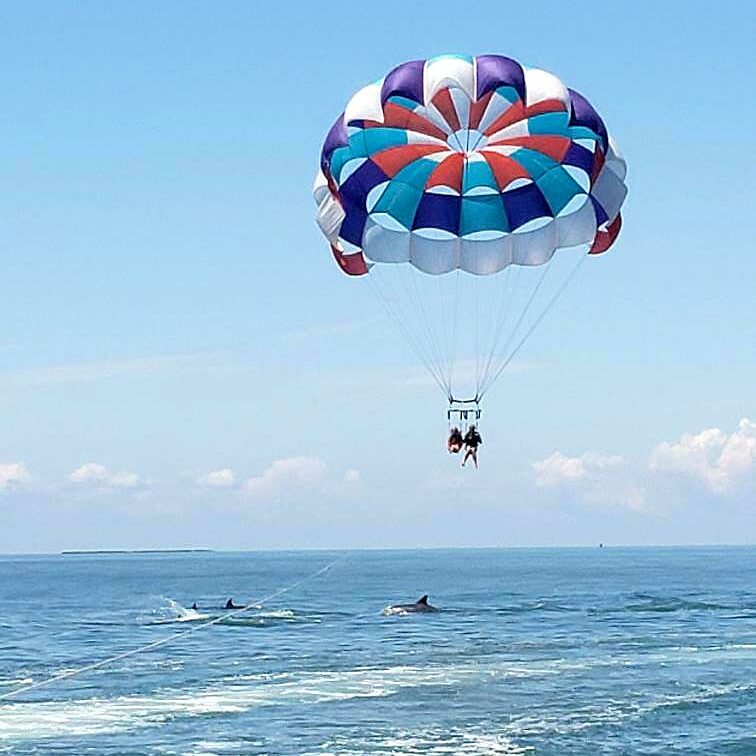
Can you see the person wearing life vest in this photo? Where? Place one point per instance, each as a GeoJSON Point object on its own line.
{"type": "Point", "coordinates": [472, 441]}
{"type": "Point", "coordinates": [455, 441]}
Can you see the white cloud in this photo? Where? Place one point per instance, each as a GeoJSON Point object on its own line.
{"type": "Point", "coordinates": [330, 330]}
{"type": "Point", "coordinates": [12, 474]}
{"type": "Point", "coordinates": [87, 372]}
{"type": "Point", "coordinates": [99, 476]}
{"type": "Point", "coordinates": [558, 469]}
{"type": "Point", "coordinates": [721, 461]}
{"type": "Point", "coordinates": [298, 475]}
{"type": "Point", "coordinates": [223, 478]}
{"type": "Point", "coordinates": [352, 476]}
{"type": "Point", "coordinates": [286, 474]}
{"type": "Point", "coordinates": [595, 479]}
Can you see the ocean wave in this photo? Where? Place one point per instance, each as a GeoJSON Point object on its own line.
{"type": "Point", "coordinates": [217, 747]}
{"type": "Point", "coordinates": [431, 741]}
{"type": "Point", "coordinates": [529, 607]}
{"type": "Point", "coordinates": [645, 602]}
{"type": "Point", "coordinates": [675, 604]}
{"type": "Point", "coordinates": [17, 681]}
{"type": "Point", "coordinates": [617, 713]}
{"type": "Point", "coordinates": [173, 612]}
{"type": "Point", "coordinates": [83, 717]}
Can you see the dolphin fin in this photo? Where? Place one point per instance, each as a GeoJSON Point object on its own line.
{"type": "Point", "coordinates": [423, 600]}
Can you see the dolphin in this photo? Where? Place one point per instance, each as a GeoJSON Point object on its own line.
{"type": "Point", "coordinates": [421, 606]}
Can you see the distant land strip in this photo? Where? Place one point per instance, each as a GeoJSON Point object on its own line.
{"type": "Point", "coordinates": [133, 551]}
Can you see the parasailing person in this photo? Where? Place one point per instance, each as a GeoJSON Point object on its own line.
{"type": "Point", "coordinates": [472, 441]}
{"type": "Point", "coordinates": [455, 441]}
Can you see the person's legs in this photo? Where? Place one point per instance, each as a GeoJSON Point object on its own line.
{"type": "Point", "coordinates": [475, 457]}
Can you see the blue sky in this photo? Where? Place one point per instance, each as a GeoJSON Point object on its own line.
{"type": "Point", "coordinates": [169, 310]}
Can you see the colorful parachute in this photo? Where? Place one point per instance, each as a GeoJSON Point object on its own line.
{"type": "Point", "coordinates": [478, 165]}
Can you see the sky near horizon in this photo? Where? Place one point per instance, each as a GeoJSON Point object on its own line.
{"type": "Point", "coordinates": [182, 364]}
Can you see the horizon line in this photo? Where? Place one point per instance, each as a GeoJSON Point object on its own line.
{"type": "Point", "coordinates": [353, 549]}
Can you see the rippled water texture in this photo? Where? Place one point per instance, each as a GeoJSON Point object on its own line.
{"type": "Point", "coordinates": [545, 651]}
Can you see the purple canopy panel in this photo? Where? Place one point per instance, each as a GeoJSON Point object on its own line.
{"type": "Point", "coordinates": [336, 137]}
{"type": "Point", "coordinates": [497, 71]}
{"type": "Point", "coordinates": [405, 81]}
{"type": "Point", "coordinates": [583, 114]}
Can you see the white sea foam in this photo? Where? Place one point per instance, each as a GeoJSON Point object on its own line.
{"type": "Point", "coordinates": [430, 741]}
{"type": "Point", "coordinates": [24, 721]}
{"type": "Point", "coordinates": [172, 612]}
{"type": "Point", "coordinates": [240, 693]}
{"type": "Point", "coordinates": [190, 616]}
{"type": "Point", "coordinates": [216, 747]}
{"type": "Point", "coordinates": [275, 614]}
{"type": "Point", "coordinates": [17, 681]}
{"type": "Point", "coordinates": [396, 611]}
{"type": "Point", "coordinates": [616, 712]}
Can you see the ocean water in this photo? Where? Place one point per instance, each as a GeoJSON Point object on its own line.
{"type": "Point", "coordinates": [542, 651]}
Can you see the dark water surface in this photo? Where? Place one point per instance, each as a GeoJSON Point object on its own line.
{"type": "Point", "coordinates": [547, 651]}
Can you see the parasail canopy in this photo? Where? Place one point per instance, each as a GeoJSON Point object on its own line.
{"type": "Point", "coordinates": [471, 164]}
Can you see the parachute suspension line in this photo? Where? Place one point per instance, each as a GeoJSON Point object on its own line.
{"type": "Point", "coordinates": [455, 314]}
{"type": "Point", "coordinates": [441, 317]}
{"type": "Point", "coordinates": [419, 315]}
{"type": "Point", "coordinates": [417, 296]}
{"type": "Point", "coordinates": [377, 285]}
{"type": "Point", "coordinates": [414, 315]}
{"type": "Point", "coordinates": [503, 302]}
{"type": "Point", "coordinates": [434, 303]}
{"type": "Point", "coordinates": [476, 289]}
{"type": "Point", "coordinates": [496, 302]}
{"type": "Point", "coordinates": [537, 321]}
{"type": "Point", "coordinates": [169, 638]}
{"type": "Point", "coordinates": [433, 311]}
{"type": "Point", "coordinates": [520, 319]}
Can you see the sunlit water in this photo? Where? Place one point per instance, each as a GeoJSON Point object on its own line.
{"type": "Point", "coordinates": [545, 651]}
